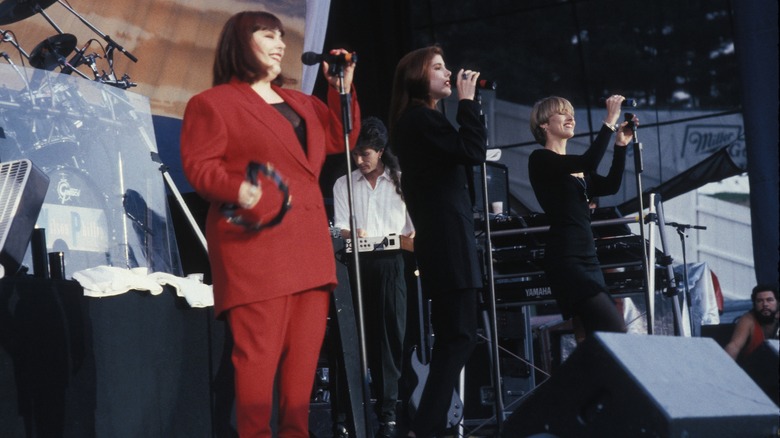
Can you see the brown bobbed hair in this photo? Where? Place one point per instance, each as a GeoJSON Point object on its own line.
{"type": "Point", "coordinates": [411, 84]}
{"type": "Point", "coordinates": [235, 57]}
{"type": "Point", "coordinates": [542, 111]}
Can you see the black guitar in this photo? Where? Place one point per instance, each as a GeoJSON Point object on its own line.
{"type": "Point", "coordinates": [420, 366]}
{"type": "Point", "coordinates": [454, 414]}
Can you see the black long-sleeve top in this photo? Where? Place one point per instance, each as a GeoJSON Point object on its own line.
{"type": "Point", "coordinates": [436, 160]}
{"type": "Point", "coordinates": [564, 197]}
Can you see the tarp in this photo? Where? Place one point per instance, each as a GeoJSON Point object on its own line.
{"type": "Point", "coordinates": [716, 167]}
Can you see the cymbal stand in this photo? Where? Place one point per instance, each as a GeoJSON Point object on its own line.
{"type": "Point", "coordinates": [38, 9]}
{"type": "Point", "coordinates": [64, 64]}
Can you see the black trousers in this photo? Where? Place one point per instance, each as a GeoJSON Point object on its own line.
{"type": "Point", "coordinates": [454, 320]}
{"type": "Point", "coordinates": [384, 310]}
{"type": "Point", "coordinates": [384, 291]}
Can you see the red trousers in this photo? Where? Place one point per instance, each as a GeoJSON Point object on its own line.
{"type": "Point", "coordinates": [277, 339]}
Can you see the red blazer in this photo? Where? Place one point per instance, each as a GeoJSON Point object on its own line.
{"type": "Point", "coordinates": [226, 127]}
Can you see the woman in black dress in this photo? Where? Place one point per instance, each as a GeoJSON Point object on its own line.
{"type": "Point", "coordinates": [563, 185]}
{"type": "Point", "coordinates": [437, 161]}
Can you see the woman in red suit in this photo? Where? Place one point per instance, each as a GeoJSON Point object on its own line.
{"type": "Point", "coordinates": [271, 285]}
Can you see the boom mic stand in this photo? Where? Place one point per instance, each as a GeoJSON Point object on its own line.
{"type": "Point", "coordinates": [681, 232]}
{"type": "Point", "coordinates": [360, 416]}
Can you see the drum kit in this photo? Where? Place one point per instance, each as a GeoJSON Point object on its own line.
{"type": "Point", "coordinates": [54, 50]}
{"type": "Point", "coordinates": [80, 132]}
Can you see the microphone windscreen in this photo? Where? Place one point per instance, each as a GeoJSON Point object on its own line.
{"type": "Point", "coordinates": [310, 58]}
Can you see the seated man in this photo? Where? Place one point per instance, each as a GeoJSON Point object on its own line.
{"type": "Point", "coordinates": [757, 325]}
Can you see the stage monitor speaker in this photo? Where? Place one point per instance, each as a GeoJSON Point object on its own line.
{"type": "Point", "coordinates": [621, 385]}
{"type": "Point", "coordinates": [22, 191]}
{"type": "Point", "coordinates": [762, 366]}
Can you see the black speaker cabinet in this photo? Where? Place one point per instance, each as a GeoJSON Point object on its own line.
{"type": "Point", "coordinates": [22, 191]}
{"type": "Point", "coordinates": [620, 385]}
{"type": "Point", "coordinates": [763, 366]}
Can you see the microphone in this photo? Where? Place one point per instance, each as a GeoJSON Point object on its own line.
{"type": "Point", "coordinates": [486, 84]}
{"type": "Point", "coordinates": [625, 103]}
{"type": "Point", "coordinates": [685, 226]}
{"type": "Point", "coordinates": [311, 58]}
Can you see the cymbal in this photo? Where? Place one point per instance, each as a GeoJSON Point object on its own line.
{"type": "Point", "coordinates": [12, 11]}
{"type": "Point", "coordinates": [47, 53]}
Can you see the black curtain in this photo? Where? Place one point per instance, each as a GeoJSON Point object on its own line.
{"type": "Point", "coordinates": [378, 31]}
{"type": "Point", "coordinates": [756, 41]}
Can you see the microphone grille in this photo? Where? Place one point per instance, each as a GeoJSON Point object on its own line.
{"type": "Point", "coordinates": [310, 58]}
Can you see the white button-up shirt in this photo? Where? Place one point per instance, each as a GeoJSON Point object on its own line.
{"type": "Point", "coordinates": [379, 210]}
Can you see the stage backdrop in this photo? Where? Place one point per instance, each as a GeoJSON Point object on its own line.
{"type": "Point", "coordinates": [173, 40]}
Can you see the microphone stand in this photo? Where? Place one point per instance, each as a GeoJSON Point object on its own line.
{"type": "Point", "coordinates": [672, 290]}
{"type": "Point", "coordinates": [107, 38]}
{"type": "Point", "coordinates": [638, 168]}
{"type": "Point", "coordinates": [681, 232]}
{"type": "Point", "coordinates": [21, 75]}
{"type": "Point", "coordinates": [337, 68]}
{"type": "Point", "coordinates": [491, 299]}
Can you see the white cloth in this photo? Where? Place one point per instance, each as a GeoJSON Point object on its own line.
{"type": "Point", "coordinates": [379, 210]}
{"type": "Point", "coordinates": [107, 281]}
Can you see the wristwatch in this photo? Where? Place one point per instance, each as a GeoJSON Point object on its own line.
{"type": "Point", "coordinates": [613, 128]}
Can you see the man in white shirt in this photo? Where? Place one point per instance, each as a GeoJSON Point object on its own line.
{"type": "Point", "coordinates": [379, 210]}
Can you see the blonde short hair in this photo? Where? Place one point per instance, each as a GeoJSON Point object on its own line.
{"type": "Point", "coordinates": [542, 111]}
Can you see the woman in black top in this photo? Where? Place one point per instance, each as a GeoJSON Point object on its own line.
{"type": "Point", "coordinates": [563, 185]}
{"type": "Point", "coordinates": [437, 161]}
